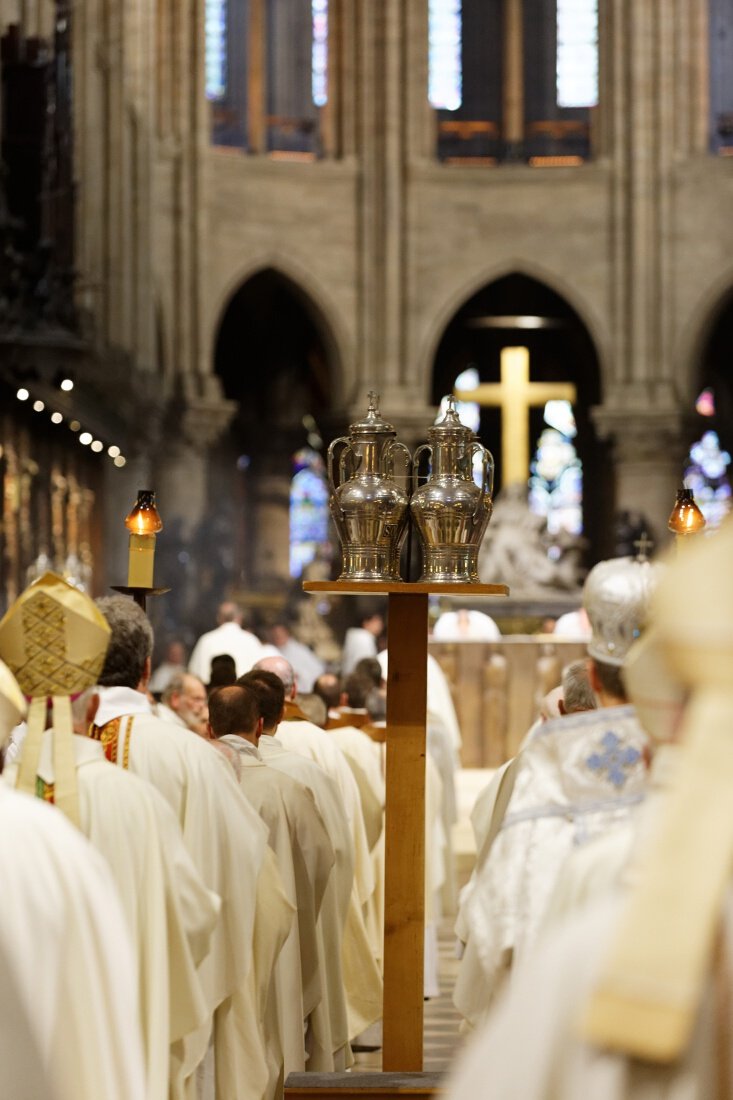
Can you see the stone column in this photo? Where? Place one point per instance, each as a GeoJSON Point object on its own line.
{"type": "Point", "coordinates": [269, 528]}
{"type": "Point", "coordinates": [513, 80]}
{"type": "Point", "coordinates": [649, 460]}
{"type": "Point", "coordinates": [182, 462]}
{"type": "Point", "coordinates": [257, 78]}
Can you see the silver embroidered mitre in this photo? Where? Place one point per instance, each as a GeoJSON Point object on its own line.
{"type": "Point", "coordinates": [616, 597]}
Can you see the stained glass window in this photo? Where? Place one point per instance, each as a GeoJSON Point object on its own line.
{"type": "Point", "coordinates": [308, 509]}
{"type": "Point", "coordinates": [319, 52]}
{"type": "Point", "coordinates": [556, 472]}
{"type": "Point", "coordinates": [577, 53]}
{"type": "Point", "coordinates": [445, 73]}
{"type": "Point", "coordinates": [216, 48]}
{"type": "Point", "coordinates": [707, 475]}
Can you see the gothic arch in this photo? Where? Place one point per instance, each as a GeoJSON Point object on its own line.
{"type": "Point", "coordinates": [314, 299]}
{"type": "Point", "coordinates": [443, 316]}
{"type": "Point", "coordinates": [698, 330]}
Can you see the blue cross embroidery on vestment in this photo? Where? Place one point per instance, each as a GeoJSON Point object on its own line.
{"type": "Point", "coordinates": [615, 760]}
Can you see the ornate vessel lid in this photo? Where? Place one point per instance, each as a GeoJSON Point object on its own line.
{"type": "Point", "coordinates": [373, 423]}
{"type": "Point", "coordinates": [450, 429]}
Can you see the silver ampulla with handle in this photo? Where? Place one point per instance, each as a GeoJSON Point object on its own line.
{"type": "Point", "coordinates": [450, 511]}
{"type": "Point", "coordinates": [368, 506]}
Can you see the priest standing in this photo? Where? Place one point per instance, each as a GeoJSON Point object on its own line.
{"type": "Point", "coordinates": [223, 834]}
{"type": "Point", "coordinates": [169, 912]}
{"type": "Point", "coordinates": [578, 777]}
{"type": "Point", "coordinates": [66, 949]}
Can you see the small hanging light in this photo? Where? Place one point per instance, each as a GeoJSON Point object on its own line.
{"type": "Point", "coordinates": [686, 518]}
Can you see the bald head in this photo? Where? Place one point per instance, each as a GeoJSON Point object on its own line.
{"type": "Point", "coordinates": [282, 669]}
{"type": "Point", "coordinates": [228, 613]}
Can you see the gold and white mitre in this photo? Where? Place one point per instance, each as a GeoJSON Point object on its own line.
{"type": "Point", "coordinates": [54, 641]}
{"type": "Point", "coordinates": [12, 703]}
{"type": "Point", "coordinates": [651, 986]}
{"type": "Point", "coordinates": [616, 597]}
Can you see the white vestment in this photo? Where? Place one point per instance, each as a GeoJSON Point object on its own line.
{"type": "Point", "coordinates": [530, 1050]}
{"type": "Point", "coordinates": [24, 1076]}
{"type": "Point", "coordinates": [578, 778]}
{"type": "Point", "coordinates": [164, 712]}
{"type": "Point", "coordinates": [362, 948]}
{"type": "Point", "coordinates": [364, 757]}
{"type": "Point", "coordinates": [305, 858]}
{"type": "Point", "coordinates": [310, 740]}
{"type": "Point", "coordinates": [229, 638]}
{"type": "Point", "coordinates": [64, 935]}
{"type": "Point", "coordinates": [224, 836]}
{"type": "Point", "coordinates": [439, 698]}
{"type": "Point", "coordinates": [359, 644]}
{"type": "Point", "coordinates": [478, 627]}
{"type": "Point", "coordinates": [348, 967]}
{"type": "Point", "coordinates": [170, 914]}
{"type": "Point", "coordinates": [306, 666]}
{"type": "Point", "coordinates": [162, 676]}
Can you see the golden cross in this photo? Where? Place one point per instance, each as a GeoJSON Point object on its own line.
{"type": "Point", "coordinates": [515, 395]}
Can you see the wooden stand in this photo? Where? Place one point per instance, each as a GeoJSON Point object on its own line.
{"type": "Point", "coordinates": [404, 901]}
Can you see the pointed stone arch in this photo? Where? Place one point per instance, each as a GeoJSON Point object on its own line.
{"type": "Point", "coordinates": [441, 316]}
{"type": "Point", "coordinates": [310, 294]}
{"type": "Point", "coordinates": [699, 331]}
{"type": "Point", "coordinates": [277, 357]}
{"type": "Point", "coordinates": [562, 350]}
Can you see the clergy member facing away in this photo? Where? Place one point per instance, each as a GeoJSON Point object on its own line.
{"type": "Point", "coordinates": [307, 739]}
{"type": "Point", "coordinates": [70, 969]}
{"type": "Point", "coordinates": [305, 858]}
{"type": "Point", "coordinates": [170, 914]}
{"type": "Point", "coordinates": [630, 996]}
{"type": "Point", "coordinates": [223, 834]}
{"type": "Point", "coordinates": [361, 641]}
{"type": "Point", "coordinates": [579, 777]}
{"type": "Point", "coordinates": [346, 964]}
{"type": "Point", "coordinates": [229, 637]}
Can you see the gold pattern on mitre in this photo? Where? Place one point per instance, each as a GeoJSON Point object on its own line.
{"type": "Point", "coordinates": [54, 639]}
{"type": "Point", "coordinates": [12, 703]}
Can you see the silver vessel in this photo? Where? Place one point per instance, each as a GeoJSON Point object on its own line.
{"type": "Point", "coordinates": [368, 506]}
{"type": "Point", "coordinates": [450, 511]}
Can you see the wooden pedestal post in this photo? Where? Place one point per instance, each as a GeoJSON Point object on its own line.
{"type": "Point", "coordinates": [404, 886]}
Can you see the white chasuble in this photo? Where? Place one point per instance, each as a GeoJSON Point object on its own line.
{"type": "Point", "coordinates": [64, 935]}
{"type": "Point", "coordinates": [578, 778]}
{"type": "Point", "coordinates": [247, 1044]}
{"type": "Point", "coordinates": [362, 976]}
{"type": "Point", "coordinates": [530, 1048]}
{"type": "Point", "coordinates": [170, 913]}
{"type": "Point", "coordinates": [223, 834]}
{"type": "Point", "coordinates": [305, 858]}
{"type": "Point", "coordinates": [329, 1026]}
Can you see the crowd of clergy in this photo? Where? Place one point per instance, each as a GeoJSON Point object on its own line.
{"type": "Point", "coordinates": [193, 864]}
{"type": "Point", "coordinates": [193, 876]}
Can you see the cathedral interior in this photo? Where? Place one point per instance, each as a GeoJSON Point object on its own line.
{"type": "Point", "coordinates": [224, 222]}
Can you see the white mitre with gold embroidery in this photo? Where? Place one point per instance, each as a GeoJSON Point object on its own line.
{"type": "Point", "coordinates": [12, 703]}
{"type": "Point", "coordinates": [616, 597]}
{"type": "Point", "coordinates": [647, 999]}
{"type": "Point", "coordinates": [54, 641]}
